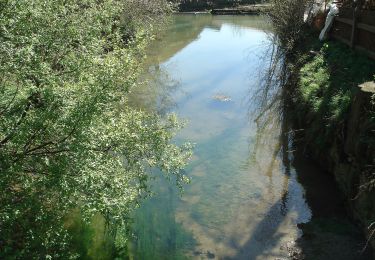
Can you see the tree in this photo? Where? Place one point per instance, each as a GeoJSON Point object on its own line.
{"type": "Point", "coordinates": [68, 138]}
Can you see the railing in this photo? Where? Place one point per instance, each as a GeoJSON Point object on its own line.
{"type": "Point", "coordinates": [356, 28]}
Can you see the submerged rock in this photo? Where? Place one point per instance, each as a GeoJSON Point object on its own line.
{"type": "Point", "coordinates": [221, 97]}
{"type": "Point", "coordinates": [210, 255]}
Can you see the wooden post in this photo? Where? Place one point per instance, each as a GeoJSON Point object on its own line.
{"type": "Point", "coordinates": [356, 6]}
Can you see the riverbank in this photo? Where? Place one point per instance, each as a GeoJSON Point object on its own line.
{"type": "Point", "coordinates": [227, 10]}
{"type": "Point", "coordinates": [200, 5]}
{"type": "Point", "coordinates": [241, 10]}
{"type": "Point", "coordinates": [335, 117]}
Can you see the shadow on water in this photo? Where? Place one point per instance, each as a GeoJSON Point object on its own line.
{"type": "Point", "coordinates": [265, 236]}
{"type": "Point", "coordinates": [330, 234]}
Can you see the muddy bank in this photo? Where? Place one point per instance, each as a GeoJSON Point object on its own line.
{"type": "Point", "coordinates": [241, 10]}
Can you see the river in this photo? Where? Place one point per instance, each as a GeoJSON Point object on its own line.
{"type": "Point", "coordinates": [250, 193]}
{"type": "Point", "coordinates": [241, 203]}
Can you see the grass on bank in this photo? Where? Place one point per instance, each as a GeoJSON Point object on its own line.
{"type": "Point", "coordinates": [328, 78]}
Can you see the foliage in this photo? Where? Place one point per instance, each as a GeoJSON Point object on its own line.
{"type": "Point", "coordinates": [68, 138]}
{"type": "Point", "coordinates": [287, 19]}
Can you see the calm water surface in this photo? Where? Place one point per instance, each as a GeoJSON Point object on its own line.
{"type": "Point", "coordinates": [243, 202]}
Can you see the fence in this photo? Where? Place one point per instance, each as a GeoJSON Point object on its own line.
{"type": "Point", "coordinates": [355, 26]}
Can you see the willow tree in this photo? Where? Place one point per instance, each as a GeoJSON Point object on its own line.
{"type": "Point", "coordinates": [68, 138]}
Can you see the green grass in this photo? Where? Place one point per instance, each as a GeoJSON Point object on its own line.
{"type": "Point", "coordinates": [327, 83]}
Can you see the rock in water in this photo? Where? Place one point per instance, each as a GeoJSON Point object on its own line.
{"type": "Point", "coordinates": [221, 97]}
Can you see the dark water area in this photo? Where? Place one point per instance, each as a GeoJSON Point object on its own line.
{"type": "Point", "coordinates": [330, 234]}
{"type": "Point", "coordinates": [253, 193]}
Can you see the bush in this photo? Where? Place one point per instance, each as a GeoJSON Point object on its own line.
{"type": "Point", "coordinates": [68, 138]}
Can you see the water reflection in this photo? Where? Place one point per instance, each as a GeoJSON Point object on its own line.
{"type": "Point", "coordinates": [155, 90]}
{"type": "Point", "coordinates": [244, 201]}
{"type": "Point", "coordinates": [185, 29]}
